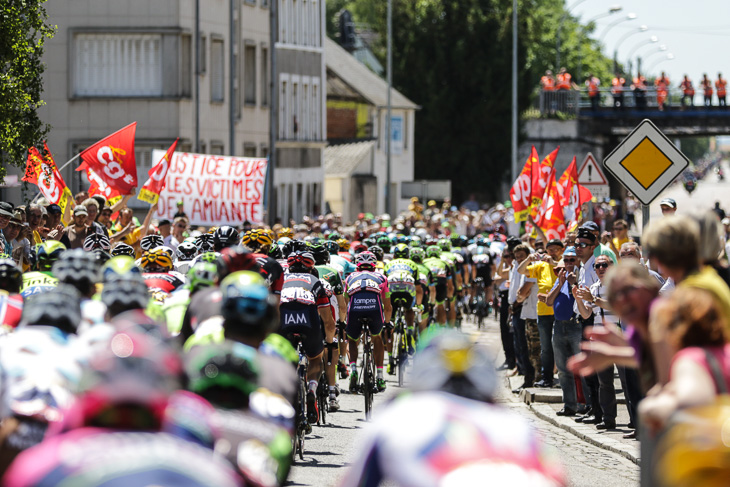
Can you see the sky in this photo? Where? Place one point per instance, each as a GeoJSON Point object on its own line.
{"type": "Point", "coordinates": [696, 33]}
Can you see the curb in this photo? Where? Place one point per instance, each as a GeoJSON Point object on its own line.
{"type": "Point", "coordinates": [546, 413]}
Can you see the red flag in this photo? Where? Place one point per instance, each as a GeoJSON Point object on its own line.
{"type": "Point", "coordinates": [522, 188]}
{"type": "Point", "coordinates": [112, 159]}
{"type": "Point", "coordinates": [150, 192]}
{"type": "Point", "coordinates": [540, 175]}
{"type": "Point", "coordinates": [566, 182]}
{"type": "Point", "coordinates": [42, 170]}
{"type": "Point", "coordinates": [574, 211]}
{"type": "Point", "coordinates": [551, 219]}
{"type": "Point", "coordinates": [99, 186]}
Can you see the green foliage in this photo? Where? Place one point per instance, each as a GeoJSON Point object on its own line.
{"type": "Point", "coordinates": [695, 147]}
{"type": "Point", "coordinates": [23, 30]}
{"type": "Point", "coordinates": [454, 58]}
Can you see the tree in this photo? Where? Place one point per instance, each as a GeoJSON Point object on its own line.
{"type": "Point", "coordinates": [454, 58]}
{"type": "Point", "coordinates": [23, 31]}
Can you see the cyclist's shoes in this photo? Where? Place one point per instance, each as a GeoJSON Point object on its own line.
{"type": "Point", "coordinates": [344, 372]}
{"type": "Point", "coordinates": [411, 347]}
{"type": "Point", "coordinates": [337, 390]}
{"type": "Point", "coordinates": [312, 410]}
{"type": "Point", "coordinates": [381, 385]}
{"type": "Point", "coordinates": [334, 405]}
{"type": "Point", "coordinates": [390, 368]}
{"type": "Point", "coordinates": [353, 383]}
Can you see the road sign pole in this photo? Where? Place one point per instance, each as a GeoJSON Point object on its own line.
{"type": "Point", "coordinates": [644, 217]}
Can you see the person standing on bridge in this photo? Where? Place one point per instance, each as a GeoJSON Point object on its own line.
{"type": "Point", "coordinates": [639, 88]}
{"type": "Point", "coordinates": [707, 88]}
{"type": "Point", "coordinates": [593, 94]}
{"type": "Point", "coordinates": [720, 85]}
{"type": "Point", "coordinates": [688, 91]}
{"type": "Point", "coordinates": [662, 86]}
{"type": "Point", "coordinates": [617, 90]}
{"type": "Point", "coordinates": [547, 82]}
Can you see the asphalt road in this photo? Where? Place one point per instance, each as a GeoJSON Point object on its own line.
{"type": "Point", "coordinates": [329, 449]}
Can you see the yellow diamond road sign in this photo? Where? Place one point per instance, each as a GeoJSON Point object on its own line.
{"type": "Point", "coordinates": [646, 162]}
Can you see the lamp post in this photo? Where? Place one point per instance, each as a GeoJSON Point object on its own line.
{"type": "Point", "coordinates": [642, 28]}
{"type": "Point", "coordinates": [560, 28]}
{"type": "Point", "coordinates": [514, 89]}
{"type": "Point", "coordinates": [613, 24]}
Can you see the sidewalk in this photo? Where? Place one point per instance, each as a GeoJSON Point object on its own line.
{"type": "Point", "coordinates": [546, 402]}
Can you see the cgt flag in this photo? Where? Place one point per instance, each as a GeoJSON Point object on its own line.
{"type": "Point", "coordinates": [150, 192]}
{"type": "Point", "coordinates": [540, 176]}
{"type": "Point", "coordinates": [567, 181]}
{"type": "Point", "coordinates": [522, 188]}
{"type": "Point", "coordinates": [551, 219]}
{"type": "Point", "coordinates": [112, 159]}
{"type": "Point", "coordinates": [42, 171]}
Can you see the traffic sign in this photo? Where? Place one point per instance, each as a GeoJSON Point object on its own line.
{"type": "Point", "coordinates": [646, 162]}
{"type": "Point", "coordinates": [591, 176]}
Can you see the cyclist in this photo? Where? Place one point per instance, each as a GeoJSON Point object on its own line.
{"type": "Point", "coordinates": [427, 283]}
{"type": "Point", "coordinates": [454, 389]}
{"type": "Point", "coordinates": [368, 297]}
{"type": "Point", "coordinates": [11, 302]}
{"type": "Point", "coordinates": [377, 251]}
{"type": "Point", "coordinates": [123, 249]}
{"type": "Point", "coordinates": [224, 236]}
{"type": "Point", "coordinates": [42, 280]}
{"type": "Point", "coordinates": [260, 243]}
{"type": "Point", "coordinates": [339, 309]}
{"type": "Point", "coordinates": [402, 274]}
{"type": "Point", "coordinates": [185, 253]}
{"type": "Point", "coordinates": [344, 252]}
{"type": "Point", "coordinates": [201, 276]}
{"type": "Point", "coordinates": [303, 301]}
{"type": "Point", "coordinates": [343, 266]}
{"type": "Point", "coordinates": [443, 274]}
{"type": "Point", "coordinates": [454, 262]}
{"type": "Point", "coordinates": [483, 267]}
{"type": "Point", "coordinates": [384, 243]}
{"type": "Point", "coordinates": [157, 271]}
{"type": "Point", "coordinates": [79, 269]}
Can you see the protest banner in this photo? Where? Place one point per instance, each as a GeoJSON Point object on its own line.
{"type": "Point", "coordinates": [215, 190]}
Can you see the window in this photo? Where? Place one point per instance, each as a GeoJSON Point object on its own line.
{"type": "Point", "coordinates": [316, 110]}
{"type": "Point", "coordinates": [283, 30]}
{"type": "Point", "coordinates": [265, 77]}
{"type": "Point", "coordinates": [283, 105]}
{"type": "Point", "coordinates": [186, 65]}
{"type": "Point", "coordinates": [217, 147]}
{"type": "Point", "coordinates": [249, 149]}
{"type": "Point", "coordinates": [249, 74]}
{"type": "Point", "coordinates": [118, 65]}
{"type": "Point", "coordinates": [217, 78]}
{"type": "Point", "coordinates": [264, 150]}
{"type": "Point", "coordinates": [316, 36]}
{"type": "Point", "coordinates": [203, 55]}
{"type": "Point", "coordinates": [264, 3]}
{"type": "Point", "coordinates": [306, 130]}
{"type": "Point", "coordinates": [295, 109]}
{"type": "Point", "coordinates": [294, 21]}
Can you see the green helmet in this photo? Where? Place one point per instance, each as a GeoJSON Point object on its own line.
{"type": "Point", "coordinates": [201, 275]}
{"type": "Point", "coordinates": [433, 251]}
{"type": "Point", "coordinates": [119, 267]}
{"type": "Point", "coordinates": [247, 303]}
{"type": "Point", "coordinates": [225, 374]}
{"type": "Point", "coordinates": [415, 241]}
{"type": "Point", "coordinates": [47, 253]}
{"type": "Point", "coordinates": [385, 244]}
{"type": "Point", "coordinates": [417, 255]}
{"type": "Point", "coordinates": [445, 244]}
{"type": "Point", "coordinates": [401, 251]}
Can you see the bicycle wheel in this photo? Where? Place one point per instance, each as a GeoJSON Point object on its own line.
{"type": "Point", "coordinates": [367, 382]}
{"type": "Point", "coordinates": [322, 396]}
{"type": "Point", "coordinates": [402, 352]}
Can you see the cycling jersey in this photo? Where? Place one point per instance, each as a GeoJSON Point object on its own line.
{"type": "Point", "coordinates": [367, 290]}
{"type": "Point", "coordinates": [483, 262]}
{"type": "Point", "coordinates": [37, 282]}
{"type": "Point", "coordinates": [11, 308]}
{"type": "Point", "coordinates": [442, 272]}
{"type": "Point", "coordinates": [402, 277]}
{"type": "Point", "coordinates": [165, 281]}
{"type": "Point", "coordinates": [301, 297]}
{"type": "Point", "coordinates": [345, 255]}
{"type": "Point", "coordinates": [272, 271]}
{"type": "Point", "coordinates": [333, 285]}
{"type": "Point", "coordinates": [339, 262]}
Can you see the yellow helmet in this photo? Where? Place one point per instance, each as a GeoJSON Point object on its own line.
{"type": "Point", "coordinates": [257, 240]}
{"type": "Point", "coordinates": [696, 448]}
{"type": "Point", "coordinates": [156, 260]}
{"type": "Point", "coordinates": [344, 244]}
{"type": "Point", "coordinates": [286, 232]}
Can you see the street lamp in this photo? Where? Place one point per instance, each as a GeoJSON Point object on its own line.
{"type": "Point", "coordinates": [650, 40]}
{"type": "Point", "coordinates": [668, 57]}
{"type": "Point", "coordinates": [560, 28]}
{"type": "Point", "coordinates": [639, 29]}
{"type": "Point", "coordinates": [613, 24]}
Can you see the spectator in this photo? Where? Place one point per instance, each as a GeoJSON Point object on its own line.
{"type": "Point", "coordinates": [639, 88]}
{"type": "Point", "coordinates": [668, 206]}
{"type": "Point", "coordinates": [527, 297]}
{"type": "Point", "coordinates": [92, 207]}
{"type": "Point", "coordinates": [180, 210]}
{"type": "Point", "coordinates": [632, 251]}
{"type": "Point", "coordinates": [35, 215]}
{"type": "Point", "coordinates": [6, 213]}
{"type": "Point", "coordinates": [721, 86]}
{"type": "Point", "coordinates": [688, 91]}
{"type": "Point", "coordinates": [81, 197]}
{"type": "Point", "coordinates": [707, 89]}
{"type": "Point", "coordinates": [620, 235]}
{"type": "Point", "coordinates": [662, 86]}
{"type": "Point", "coordinates": [502, 282]}
{"type": "Point", "coordinates": [719, 211]}
{"type": "Point", "coordinates": [54, 216]}
{"type": "Point", "coordinates": [593, 93]}
{"type": "Point", "coordinates": [105, 217]}
{"type": "Point", "coordinates": [547, 82]}
{"type": "Point", "coordinates": [74, 235]}
{"type": "Point", "coordinates": [617, 90]}
{"type": "Point", "coordinates": [602, 248]}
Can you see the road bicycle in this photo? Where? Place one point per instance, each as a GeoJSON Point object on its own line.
{"type": "Point", "coordinates": [479, 305]}
{"type": "Point", "coordinates": [368, 387]}
{"type": "Point", "coordinates": [400, 339]}
{"type": "Point", "coordinates": [301, 424]}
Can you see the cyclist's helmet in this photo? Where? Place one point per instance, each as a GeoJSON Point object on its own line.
{"type": "Point", "coordinates": [247, 304]}
{"type": "Point", "coordinates": [101, 256]}
{"type": "Point", "coordinates": [334, 236]}
{"type": "Point", "coordinates": [239, 258]}
{"type": "Point", "coordinates": [225, 236]}
{"type": "Point", "coordinates": [450, 362]}
{"type": "Point", "coordinates": [286, 232]}
{"type": "Point", "coordinates": [356, 249]}
{"type": "Point", "coordinates": [366, 260]}
{"type": "Point", "coordinates": [445, 244]}
{"type": "Point", "coordinates": [344, 244]}
{"type": "Point", "coordinates": [186, 251]}
{"type": "Point", "coordinates": [384, 243]}
{"type": "Point", "coordinates": [202, 275]}
{"type": "Point", "coordinates": [204, 242]}
{"type": "Point", "coordinates": [47, 253]}
{"type": "Point", "coordinates": [401, 251]}
{"type": "Point", "coordinates": [59, 307]}
{"type": "Point", "coordinates": [293, 246]}
{"type": "Point", "coordinates": [124, 294]}
{"type": "Point", "coordinates": [123, 249]}
{"type": "Point", "coordinates": [331, 247]}
{"type": "Point", "coordinates": [377, 251]}
{"type": "Point", "coordinates": [320, 254]}
{"type": "Point", "coordinates": [225, 373]}
{"type": "Point", "coordinates": [458, 240]}
{"type": "Point", "coordinates": [79, 269]}
{"type": "Point", "coordinates": [257, 240]}
{"type": "Point", "coordinates": [150, 242]}
{"type": "Point", "coordinates": [156, 260]}
{"type": "Point", "coordinates": [301, 261]}
{"type": "Point", "coordinates": [433, 251]}
{"type": "Point", "coordinates": [369, 241]}
{"type": "Point", "coordinates": [275, 252]}
{"type": "Point", "coordinates": [11, 277]}
{"type": "Point", "coordinates": [401, 239]}
{"type": "Point", "coordinates": [96, 241]}
{"type": "Point", "coordinates": [415, 241]}
{"type": "Point", "coordinates": [417, 255]}
{"type": "Point", "coordinates": [120, 267]}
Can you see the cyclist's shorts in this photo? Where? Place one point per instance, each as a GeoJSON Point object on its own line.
{"type": "Point", "coordinates": [364, 305]}
{"type": "Point", "coordinates": [410, 299]}
{"type": "Point", "coordinates": [485, 275]}
{"type": "Point", "coordinates": [440, 289]}
{"type": "Point", "coordinates": [304, 320]}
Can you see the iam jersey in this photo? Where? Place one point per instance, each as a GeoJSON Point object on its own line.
{"type": "Point", "coordinates": [304, 289]}
{"type": "Point", "coordinates": [166, 281]}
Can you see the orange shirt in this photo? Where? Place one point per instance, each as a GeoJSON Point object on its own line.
{"type": "Point", "coordinates": [720, 85]}
{"type": "Point", "coordinates": [564, 81]}
{"type": "Point", "coordinates": [548, 83]}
